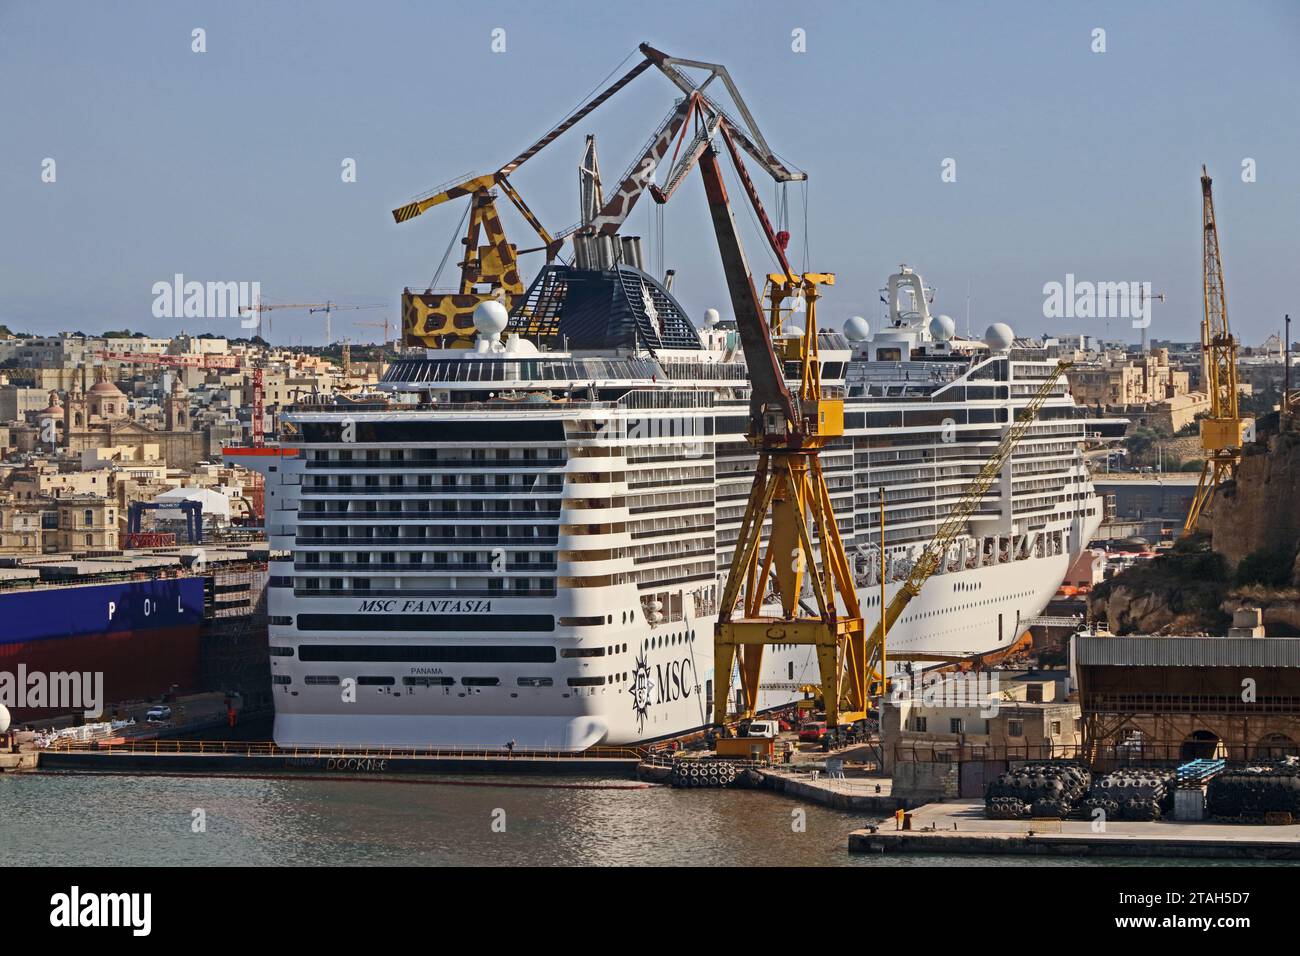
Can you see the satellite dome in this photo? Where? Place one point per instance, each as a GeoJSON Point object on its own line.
{"type": "Point", "coordinates": [792, 332]}
{"type": "Point", "coordinates": [711, 318]}
{"type": "Point", "coordinates": [857, 329]}
{"type": "Point", "coordinates": [998, 337]}
{"type": "Point", "coordinates": [4, 718]}
{"type": "Point", "coordinates": [490, 318]}
{"type": "Point", "coordinates": [943, 328]}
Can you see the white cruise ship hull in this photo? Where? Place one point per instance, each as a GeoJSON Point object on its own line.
{"type": "Point", "coordinates": [521, 544]}
{"type": "Point", "coordinates": [668, 685]}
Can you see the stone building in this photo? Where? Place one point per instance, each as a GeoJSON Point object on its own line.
{"type": "Point", "coordinates": [87, 524]}
{"type": "Point", "coordinates": [100, 419]}
{"type": "Point", "coordinates": [1118, 380]}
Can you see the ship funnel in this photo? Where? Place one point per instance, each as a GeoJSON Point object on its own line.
{"type": "Point", "coordinates": [632, 252]}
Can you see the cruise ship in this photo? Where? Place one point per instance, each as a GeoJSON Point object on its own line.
{"type": "Point", "coordinates": [525, 540]}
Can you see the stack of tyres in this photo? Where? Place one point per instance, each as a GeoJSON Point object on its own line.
{"type": "Point", "coordinates": [1254, 791]}
{"type": "Point", "coordinates": [703, 773]}
{"type": "Point", "coordinates": [1133, 794]}
{"type": "Point", "coordinates": [1005, 808]}
{"type": "Point", "coordinates": [1107, 805]}
{"type": "Point", "coordinates": [1050, 788]}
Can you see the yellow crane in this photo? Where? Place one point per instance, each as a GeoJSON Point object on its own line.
{"type": "Point", "coordinates": [491, 271]}
{"type": "Point", "coordinates": [790, 489]}
{"type": "Point", "coordinates": [953, 526]}
{"type": "Point", "coordinates": [1223, 430]}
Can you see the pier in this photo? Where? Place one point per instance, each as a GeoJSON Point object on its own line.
{"type": "Point", "coordinates": [959, 827]}
{"type": "Point", "coordinates": [237, 757]}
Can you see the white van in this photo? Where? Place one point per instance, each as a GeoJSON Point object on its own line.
{"type": "Point", "coordinates": [764, 728]}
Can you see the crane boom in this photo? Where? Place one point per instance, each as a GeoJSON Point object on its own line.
{"type": "Point", "coordinates": [618, 207]}
{"type": "Point", "coordinates": [955, 523]}
{"type": "Point", "coordinates": [438, 319]}
{"type": "Point", "coordinates": [760, 151]}
{"type": "Point", "coordinates": [789, 487]}
{"type": "Point", "coordinates": [768, 389]}
{"type": "Point", "coordinates": [1222, 430]}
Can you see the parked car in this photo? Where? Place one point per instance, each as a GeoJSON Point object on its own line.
{"type": "Point", "coordinates": [158, 715]}
{"type": "Point", "coordinates": [812, 731]}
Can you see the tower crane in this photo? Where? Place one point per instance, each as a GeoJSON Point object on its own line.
{"type": "Point", "coordinates": [259, 308]}
{"type": "Point", "coordinates": [259, 388]}
{"type": "Point", "coordinates": [1223, 430]}
{"type": "Point", "coordinates": [329, 308]}
{"type": "Point", "coordinates": [312, 307]}
{"type": "Point", "coordinates": [378, 324]}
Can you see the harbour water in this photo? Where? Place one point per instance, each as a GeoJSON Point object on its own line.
{"type": "Point", "coordinates": [116, 820]}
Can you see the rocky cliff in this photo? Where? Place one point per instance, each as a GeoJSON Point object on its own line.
{"type": "Point", "coordinates": [1259, 513]}
{"type": "Point", "coordinates": [1180, 592]}
{"type": "Point", "coordinates": [1248, 555]}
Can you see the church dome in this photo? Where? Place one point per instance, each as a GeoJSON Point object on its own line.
{"type": "Point", "coordinates": [107, 389]}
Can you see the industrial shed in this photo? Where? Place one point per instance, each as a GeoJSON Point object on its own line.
{"type": "Point", "coordinates": [1172, 699]}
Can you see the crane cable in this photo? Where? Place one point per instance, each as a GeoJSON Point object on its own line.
{"type": "Point", "coordinates": [447, 255]}
{"type": "Point", "coordinates": [807, 254]}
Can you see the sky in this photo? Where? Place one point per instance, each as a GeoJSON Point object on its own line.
{"type": "Point", "coordinates": [227, 165]}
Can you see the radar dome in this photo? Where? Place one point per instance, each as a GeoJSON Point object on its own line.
{"type": "Point", "coordinates": [711, 318]}
{"type": "Point", "coordinates": [791, 332]}
{"type": "Point", "coordinates": [490, 318]}
{"type": "Point", "coordinates": [998, 337]}
{"type": "Point", "coordinates": [943, 328]}
{"type": "Point", "coordinates": [4, 718]}
{"type": "Point", "coordinates": [857, 329]}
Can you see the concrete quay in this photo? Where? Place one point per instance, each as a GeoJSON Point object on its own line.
{"type": "Point", "coordinates": [959, 827]}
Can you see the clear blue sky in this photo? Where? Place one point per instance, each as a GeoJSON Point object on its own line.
{"type": "Point", "coordinates": [226, 165]}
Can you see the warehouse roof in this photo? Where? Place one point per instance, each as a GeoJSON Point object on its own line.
{"type": "Point", "coordinates": [1150, 651]}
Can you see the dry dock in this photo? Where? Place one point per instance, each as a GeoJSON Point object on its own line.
{"type": "Point", "coordinates": [215, 757]}
{"type": "Point", "coordinates": [960, 827]}
{"type": "Point", "coordinates": [862, 794]}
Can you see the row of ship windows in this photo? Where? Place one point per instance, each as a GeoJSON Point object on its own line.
{"type": "Point", "coordinates": [418, 455]}
{"type": "Point", "coordinates": [531, 587]}
{"type": "Point", "coordinates": [537, 482]}
{"type": "Point", "coordinates": [663, 640]}
{"type": "Point", "coordinates": [333, 680]}
{"type": "Point", "coordinates": [312, 510]}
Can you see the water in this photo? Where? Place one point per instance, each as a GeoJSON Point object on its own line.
{"type": "Point", "coordinates": [119, 820]}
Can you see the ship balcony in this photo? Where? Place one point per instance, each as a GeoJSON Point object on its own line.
{"type": "Point", "coordinates": [439, 464]}
{"type": "Point", "coordinates": [526, 542]}
{"type": "Point", "coordinates": [594, 489]}
{"type": "Point", "coordinates": [369, 518]}
{"type": "Point", "coordinates": [655, 559]}
{"type": "Point", "coordinates": [581, 464]}
{"type": "Point", "coordinates": [551, 489]}
{"type": "Point", "coordinates": [576, 542]}
{"type": "Point", "coordinates": [432, 567]}
{"type": "Point", "coordinates": [591, 569]}
{"type": "Point", "coordinates": [548, 592]}
{"type": "Point", "coordinates": [580, 511]}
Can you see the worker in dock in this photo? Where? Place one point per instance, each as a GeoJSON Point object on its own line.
{"type": "Point", "coordinates": [510, 749]}
{"type": "Point", "coordinates": [788, 754]}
